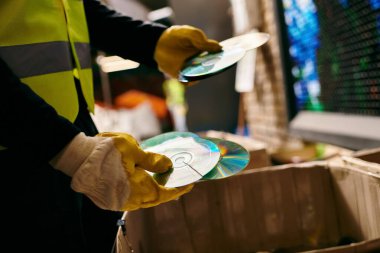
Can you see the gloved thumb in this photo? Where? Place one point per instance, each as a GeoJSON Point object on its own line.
{"type": "Point", "coordinates": [165, 194]}
{"type": "Point", "coordinates": [146, 192]}
{"type": "Point", "coordinates": [153, 162]}
{"type": "Point", "coordinates": [201, 42]}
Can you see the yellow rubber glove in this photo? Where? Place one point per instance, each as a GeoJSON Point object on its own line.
{"type": "Point", "coordinates": [144, 190]}
{"type": "Point", "coordinates": [110, 170]}
{"type": "Point", "coordinates": [177, 44]}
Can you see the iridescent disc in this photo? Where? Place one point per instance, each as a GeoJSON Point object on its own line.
{"type": "Point", "coordinates": [207, 64]}
{"type": "Point", "coordinates": [192, 157]}
{"type": "Point", "coordinates": [234, 158]}
{"type": "Point", "coordinates": [159, 139]}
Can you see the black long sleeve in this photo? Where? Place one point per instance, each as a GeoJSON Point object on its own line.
{"type": "Point", "coordinates": [117, 34]}
{"type": "Point", "coordinates": [29, 127]}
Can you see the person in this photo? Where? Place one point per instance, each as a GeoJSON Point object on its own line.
{"type": "Point", "coordinates": [65, 184]}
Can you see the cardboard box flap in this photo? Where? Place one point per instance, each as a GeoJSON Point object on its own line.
{"type": "Point", "coordinates": [368, 155]}
{"type": "Point", "coordinates": [357, 197]}
{"type": "Point", "coordinates": [367, 161]}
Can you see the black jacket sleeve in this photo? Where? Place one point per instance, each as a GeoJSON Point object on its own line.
{"type": "Point", "coordinates": [114, 33]}
{"type": "Point", "coordinates": [30, 128]}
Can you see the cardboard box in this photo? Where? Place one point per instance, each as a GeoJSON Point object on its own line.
{"type": "Point", "coordinates": [309, 207]}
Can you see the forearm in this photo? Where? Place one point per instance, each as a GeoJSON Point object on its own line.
{"type": "Point", "coordinates": [121, 35]}
{"type": "Point", "coordinates": [29, 127]}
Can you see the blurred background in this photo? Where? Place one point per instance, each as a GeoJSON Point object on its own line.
{"type": "Point", "coordinates": [314, 87]}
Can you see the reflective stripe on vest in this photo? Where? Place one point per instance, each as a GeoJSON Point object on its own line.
{"type": "Point", "coordinates": [43, 41]}
{"type": "Point", "coordinates": [19, 57]}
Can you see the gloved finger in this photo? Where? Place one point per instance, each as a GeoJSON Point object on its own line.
{"type": "Point", "coordinates": [146, 192]}
{"type": "Point", "coordinates": [153, 162]}
{"type": "Point", "coordinates": [133, 155]}
{"type": "Point", "coordinates": [202, 43]}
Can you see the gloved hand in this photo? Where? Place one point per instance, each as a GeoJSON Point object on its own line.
{"type": "Point", "coordinates": [177, 44]}
{"type": "Point", "coordinates": [110, 170]}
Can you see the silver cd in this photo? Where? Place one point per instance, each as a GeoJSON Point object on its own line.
{"type": "Point", "coordinates": [192, 158]}
{"type": "Point", "coordinates": [207, 64]}
{"type": "Point", "coordinates": [234, 158]}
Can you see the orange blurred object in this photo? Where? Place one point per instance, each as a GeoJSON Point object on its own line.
{"type": "Point", "coordinates": [133, 98]}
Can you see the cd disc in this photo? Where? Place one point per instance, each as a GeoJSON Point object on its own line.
{"type": "Point", "coordinates": [234, 158]}
{"type": "Point", "coordinates": [192, 157]}
{"type": "Point", "coordinates": [247, 41]}
{"type": "Point", "coordinates": [159, 139]}
{"type": "Point", "coordinates": [207, 64]}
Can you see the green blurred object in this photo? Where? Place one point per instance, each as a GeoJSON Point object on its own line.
{"type": "Point", "coordinates": [176, 102]}
{"type": "Point", "coordinates": [320, 150]}
{"type": "Point", "coordinates": [174, 91]}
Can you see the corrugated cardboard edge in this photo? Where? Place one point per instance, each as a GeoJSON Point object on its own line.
{"type": "Point", "coordinates": [370, 246]}
{"type": "Point", "coordinates": [369, 155]}
{"type": "Point", "coordinates": [357, 190]}
{"type": "Point", "coordinates": [367, 161]}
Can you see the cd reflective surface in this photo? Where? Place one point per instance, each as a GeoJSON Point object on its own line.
{"type": "Point", "coordinates": [159, 139]}
{"type": "Point", "coordinates": [192, 157]}
{"type": "Point", "coordinates": [247, 41]}
{"type": "Point", "coordinates": [234, 158]}
{"type": "Point", "coordinates": [207, 64]}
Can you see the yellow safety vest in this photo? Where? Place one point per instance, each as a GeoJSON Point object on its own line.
{"type": "Point", "coordinates": [46, 44]}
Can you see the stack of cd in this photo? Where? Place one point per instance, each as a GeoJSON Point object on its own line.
{"type": "Point", "coordinates": [208, 64]}
{"type": "Point", "coordinates": [195, 158]}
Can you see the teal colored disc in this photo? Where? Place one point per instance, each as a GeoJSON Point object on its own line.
{"type": "Point", "coordinates": [159, 139]}
{"type": "Point", "coordinates": [206, 64]}
{"type": "Point", "coordinates": [234, 158]}
{"type": "Point", "coordinates": [192, 157]}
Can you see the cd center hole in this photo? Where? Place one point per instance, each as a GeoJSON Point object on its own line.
{"type": "Point", "coordinates": [180, 160]}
